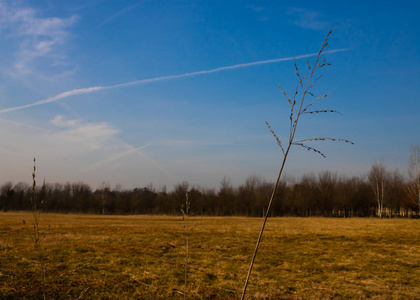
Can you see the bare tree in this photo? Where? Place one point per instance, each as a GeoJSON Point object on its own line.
{"type": "Point", "coordinates": [377, 177]}
{"type": "Point", "coordinates": [225, 198]}
{"type": "Point", "coordinates": [21, 192]}
{"type": "Point", "coordinates": [414, 173]}
{"type": "Point", "coordinates": [178, 195]}
{"type": "Point", "coordinates": [105, 193]}
{"type": "Point", "coordinates": [305, 195]}
{"type": "Point", "coordinates": [247, 192]}
{"type": "Point", "coordinates": [6, 193]}
{"type": "Point", "coordinates": [327, 182]}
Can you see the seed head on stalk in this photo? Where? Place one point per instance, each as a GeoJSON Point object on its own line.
{"type": "Point", "coordinates": [298, 108]}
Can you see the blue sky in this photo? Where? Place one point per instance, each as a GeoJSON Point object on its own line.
{"type": "Point", "coordinates": [139, 92]}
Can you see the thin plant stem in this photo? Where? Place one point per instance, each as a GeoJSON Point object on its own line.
{"type": "Point", "coordinates": [294, 119]}
{"type": "Point", "coordinates": [37, 236]}
{"type": "Point", "coordinates": [265, 221]}
{"type": "Point", "coordinates": [187, 205]}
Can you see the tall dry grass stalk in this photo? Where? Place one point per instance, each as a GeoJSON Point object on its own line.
{"type": "Point", "coordinates": [185, 214]}
{"type": "Point", "coordinates": [37, 235]}
{"type": "Point", "coordinates": [298, 108]}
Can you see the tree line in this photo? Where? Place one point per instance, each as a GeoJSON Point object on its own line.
{"type": "Point", "coordinates": [380, 193]}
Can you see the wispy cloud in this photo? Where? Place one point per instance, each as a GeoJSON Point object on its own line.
{"type": "Point", "coordinates": [60, 122]}
{"type": "Point", "coordinates": [36, 36]}
{"type": "Point", "coordinates": [80, 149]}
{"type": "Point", "coordinates": [308, 19]}
{"type": "Point", "coordinates": [256, 8]}
{"type": "Point", "coordinates": [64, 137]}
{"type": "Point", "coordinates": [75, 134]}
{"type": "Point", "coordinates": [188, 143]}
{"type": "Point", "coordinates": [260, 11]}
{"type": "Point", "coordinates": [88, 135]}
{"type": "Point", "coordinates": [20, 124]}
{"type": "Point", "coordinates": [118, 14]}
{"type": "Point", "coordinates": [55, 98]}
{"type": "Point", "coordinates": [156, 79]}
{"type": "Point", "coordinates": [119, 155]}
{"type": "Point", "coordinates": [245, 65]}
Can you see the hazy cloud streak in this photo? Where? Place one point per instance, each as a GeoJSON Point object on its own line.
{"type": "Point", "coordinates": [116, 15]}
{"type": "Point", "coordinates": [131, 150]}
{"type": "Point", "coordinates": [119, 155]}
{"type": "Point", "coordinates": [19, 124]}
{"type": "Point", "coordinates": [151, 80]}
{"type": "Point", "coordinates": [256, 63]}
{"type": "Point", "coordinates": [308, 19]}
{"type": "Point", "coordinates": [55, 98]}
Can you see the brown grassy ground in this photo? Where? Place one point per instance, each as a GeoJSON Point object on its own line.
{"type": "Point", "coordinates": [143, 257]}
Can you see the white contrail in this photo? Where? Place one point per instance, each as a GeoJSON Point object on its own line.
{"type": "Point", "coordinates": [119, 155]}
{"type": "Point", "coordinates": [55, 98]}
{"type": "Point", "coordinates": [130, 150]}
{"type": "Point", "coordinates": [150, 80]}
{"type": "Point", "coordinates": [255, 63]}
{"type": "Point", "coordinates": [116, 15]}
{"type": "Point", "coordinates": [24, 125]}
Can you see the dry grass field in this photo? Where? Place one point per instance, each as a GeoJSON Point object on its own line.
{"type": "Point", "coordinates": [91, 256]}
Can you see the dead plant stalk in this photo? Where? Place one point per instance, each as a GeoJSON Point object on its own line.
{"type": "Point", "coordinates": [185, 217]}
{"type": "Point", "coordinates": [37, 236]}
{"type": "Point", "coordinates": [295, 115]}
